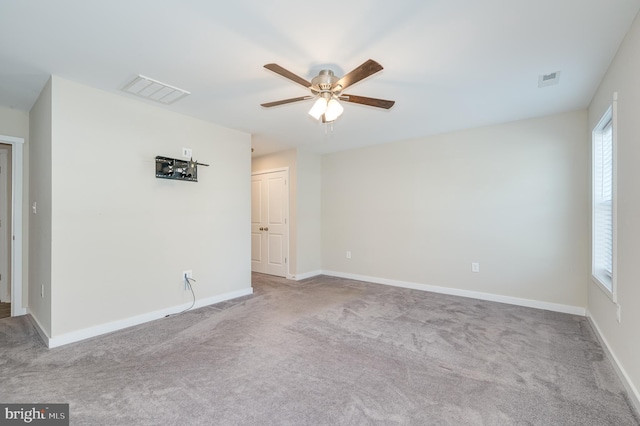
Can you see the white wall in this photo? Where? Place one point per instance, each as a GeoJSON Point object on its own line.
{"type": "Point", "coordinates": [512, 197]}
{"type": "Point", "coordinates": [120, 238]}
{"type": "Point", "coordinates": [623, 338]}
{"type": "Point", "coordinates": [40, 122]}
{"type": "Point", "coordinates": [16, 123]}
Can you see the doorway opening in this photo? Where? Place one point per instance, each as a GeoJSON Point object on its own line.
{"type": "Point", "coordinates": [270, 222]}
{"type": "Point", "coordinates": [11, 208]}
{"type": "Point", "coordinates": [5, 228]}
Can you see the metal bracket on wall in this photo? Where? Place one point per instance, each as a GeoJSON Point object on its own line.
{"type": "Point", "coordinates": [173, 168]}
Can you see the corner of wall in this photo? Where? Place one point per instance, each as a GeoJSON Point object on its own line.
{"type": "Point", "coordinates": [619, 335]}
{"type": "Point", "coordinates": [39, 225]}
{"type": "Point", "coordinates": [632, 391]}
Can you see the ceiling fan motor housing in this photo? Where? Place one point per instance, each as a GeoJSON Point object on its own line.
{"type": "Point", "coordinates": [324, 82]}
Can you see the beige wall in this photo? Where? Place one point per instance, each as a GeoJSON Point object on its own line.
{"type": "Point", "coordinates": [622, 337]}
{"type": "Point", "coordinates": [309, 213]}
{"type": "Point", "coordinates": [304, 206]}
{"type": "Point", "coordinates": [40, 125]}
{"type": "Point", "coordinates": [16, 123]}
{"type": "Point", "coordinates": [512, 197]}
{"type": "Point", "coordinates": [119, 236]}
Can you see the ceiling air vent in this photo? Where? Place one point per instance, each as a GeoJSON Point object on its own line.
{"type": "Point", "coordinates": [551, 79]}
{"type": "Point", "coordinates": [154, 90]}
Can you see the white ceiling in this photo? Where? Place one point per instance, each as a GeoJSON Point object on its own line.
{"type": "Point", "coordinates": [449, 64]}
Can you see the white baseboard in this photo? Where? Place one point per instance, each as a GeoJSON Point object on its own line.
{"type": "Point", "coordinates": [306, 275]}
{"type": "Point", "coordinates": [36, 324]}
{"type": "Point", "coordinates": [529, 303]}
{"type": "Point", "coordinates": [86, 333]}
{"type": "Point", "coordinates": [632, 392]}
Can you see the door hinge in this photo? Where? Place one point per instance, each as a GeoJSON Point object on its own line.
{"type": "Point", "coordinates": [285, 260]}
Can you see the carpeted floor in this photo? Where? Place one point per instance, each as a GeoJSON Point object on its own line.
{"type": "Point", "coordinates": [326, 351]}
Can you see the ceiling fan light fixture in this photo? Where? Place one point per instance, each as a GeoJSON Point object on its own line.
{"type": "Point", "coordinates": [334, 109]}
{"type": "Point", "coordinates": [318, 108]}
{"type": "Point", "coordinates": [327, 89]}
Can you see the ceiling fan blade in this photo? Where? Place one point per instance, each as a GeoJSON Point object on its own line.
{"type": "Point", "coordinates": [370, 67]}
{"type": "Point", "coordinates": [288, 74]}
{"type": "Point", "coordinates": [374, 102]}
{"type": "Point", "coordinates": [286, 101]}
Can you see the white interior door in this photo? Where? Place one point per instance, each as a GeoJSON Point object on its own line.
{"type": "Point", "coordinates": [5, 282]}
{"type": "Point", "coordinates": [269, 223]}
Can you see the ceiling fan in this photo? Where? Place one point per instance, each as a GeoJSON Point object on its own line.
{"type": "Point", "coordinates": [327, 88]}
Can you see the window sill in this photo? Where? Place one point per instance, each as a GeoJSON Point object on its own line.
{"type": "Point", "coordinates": [605, 284]}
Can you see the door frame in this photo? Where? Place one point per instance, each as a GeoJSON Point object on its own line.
{"type": "Point", "coordinates": [288, 207]}
{"type": "Point", "coordinates": [17, 153]}
{"type": "Point", "coordinates": [5, 217]}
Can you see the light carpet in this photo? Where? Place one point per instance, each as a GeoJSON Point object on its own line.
{"type": "Point", "coordinates": [326, 351]}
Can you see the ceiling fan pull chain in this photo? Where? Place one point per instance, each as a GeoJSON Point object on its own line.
{"type": "Point", "coordinates": [328, 129]}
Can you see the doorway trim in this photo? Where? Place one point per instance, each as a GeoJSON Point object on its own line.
{"type": "Point", "coordinates": [17, 152]}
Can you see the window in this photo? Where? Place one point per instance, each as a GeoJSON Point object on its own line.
{"type": "Point", "coordinates": [603, 202]}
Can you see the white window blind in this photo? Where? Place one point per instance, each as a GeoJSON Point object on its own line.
{"type": "Point", "coordinates": [603, 202]}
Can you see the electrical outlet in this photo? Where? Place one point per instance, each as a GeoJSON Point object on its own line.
{"type": "Point", "coordinates": [186, 274]}
{"type": "Point", "coordinates": [187, 152]}
{"type": "Point", "coordinates": [475, 267]}
{"type": "Point", "coordinates": [348, 254]}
